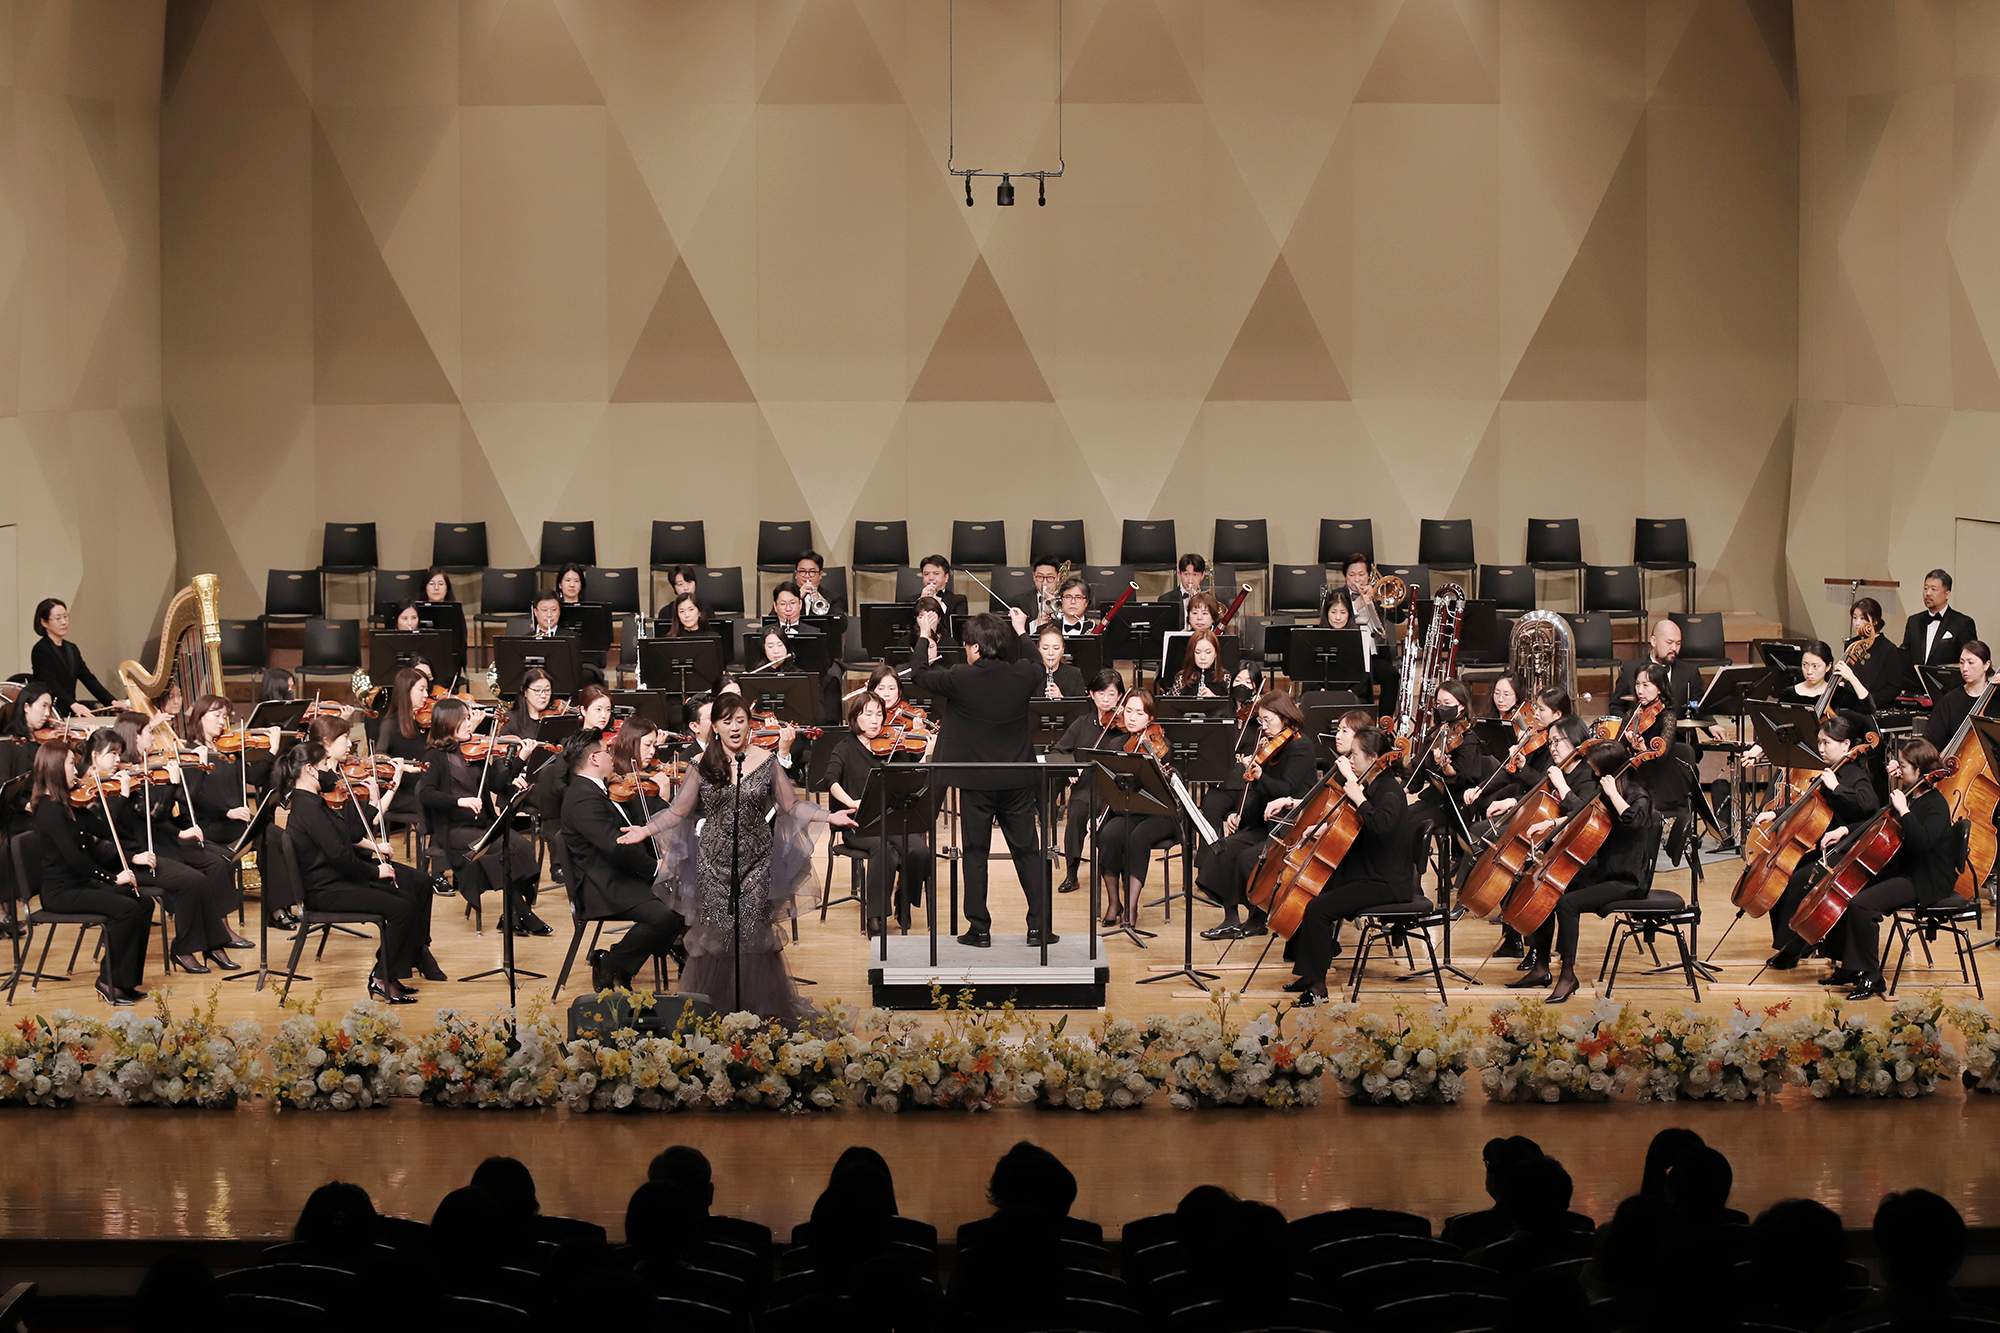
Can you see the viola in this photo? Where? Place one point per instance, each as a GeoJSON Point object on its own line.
{"type": "Point", "coordinates": [1296, 865]}
{"type": "Point", "coordinates": [655, 782]}
{"type": "Point", "coordinates": [1866, 856]}
{"type": "Point", "coordinates": [236, 742]}
{"type": "Point", "coordinates": [1268, 749]}
{"type": "Point", "coordinates": [1152, 741]}
{"type": "Point", "coordinates": [906, 730]}
{"type": "Point", "coordinates": [767, 737]}
{"type": "Point", "coordinates": [1642, 719]}
{"type": "Point", "coordinates": [1537, 738]}
{"type": "Point", "coordinates": [1787, 841]}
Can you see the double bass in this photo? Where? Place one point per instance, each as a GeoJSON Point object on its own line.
{"type": "Point", "coordinates": [1973, 791]}
{"type": "Point", "coordinates": [1865, 858]}
{"type": "Point", "coordinates": [1299, 861]}
{"type": "Point", "coordinates": [1793, 837]}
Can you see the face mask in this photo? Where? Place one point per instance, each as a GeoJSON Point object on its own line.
{"type": "Point", "coordinates": [1447, 712]}
{"type": "Point", "coordinates": [328, 780]}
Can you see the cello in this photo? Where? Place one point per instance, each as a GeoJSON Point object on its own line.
{"type": "Point", "coordinates": [1301, 861]}
{"type": "Point", "coordinates": [1554, 865]}
{"type": "Point", "coordinates": [1866, 856]}
{"type": "Point", "coordinates": [1793, 837]}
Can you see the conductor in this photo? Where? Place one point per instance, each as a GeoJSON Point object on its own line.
{"type": "Point", "coordinates": [986, 721]}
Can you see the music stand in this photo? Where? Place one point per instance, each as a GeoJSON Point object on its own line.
{"type": "Point", "coordinates": [1495, 738]}
{"type": "Point", "coordinates": [834, 627]}
{"type": "Point", "coordinates": [897, 801]}
{"type": "Point", "coordinates": [591, 622]}
{"type": "Point", "coordinates": [1325, 656]}
{"type": "Point", "coordinates": [1085, 652]}
{"type": "Point", "coordinates": [1730, 691]}
{"type": "Point", "coordinates": [1173, 709]}
{"type": "Point", "coordinates": [1127, 784]}
{"type": "Point", "coordinates": [1173, 652]}
{"type": "Point", "coordinates": [886, 625]}
{"type": "Point", "coordinates": [1940, 681]}
{"type": "Point", "coordinates": [1203, 751]}
{"type": "Point", "coordinates": [554, 731]}
{"type": "Point", "coordinates": [649, 704]}
{"type": "Point", "coordinates": [1785, 659]}
{"type": "Point", "coordinates": [696, 658]}
{"type": "Point", "coordinates": [1134, 634]}
{"type": "Point", "coordinates": [1788, 733]}
{"type": "Point", "coordinates": [445, 618]}
{"type": "Point", "coordinates": [390, 650]}
{"type": "Point", "coordinates": [1048, 719]}
{"type": "Point", "coordinates": [497, 836]}
{"type": "Point", "coordinates": [790, 698]}
{"type": "Point", "coordinates": [260, 820]}
{"type": "Point", "coordinates": [559, 656]}
{"type": "Point", "coordinates": [284, 714]}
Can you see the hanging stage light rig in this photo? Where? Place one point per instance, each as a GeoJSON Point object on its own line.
{"type": "Point", "coordinates": [1004, 196]}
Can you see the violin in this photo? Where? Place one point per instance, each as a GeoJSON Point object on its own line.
{"type": "Point", "coordinates": [482, 748]}
{"type": "Point", "coordinates": [907, 729]}
{"type": "Point", "coordinates": [1642, 719]}
{"type": "Point", "coordinates": [236, 742]}
{"type": "Point", "coordinates": [319, 709]}
{"type": "Point", "coordinates": [87, 791]}
{"type": "Point", "coordinates": [422, 712]}
{"type": "Point", "coordinates": [1152, 741]}
{"type": "Point", "coordinates": [655, 782]}
{"type": "Point", "coordinates": [381, 768]}
{"type": "Point", "coordinates": [1535, 739]}
{"type": "Point", "coordinates": [1267, 749]}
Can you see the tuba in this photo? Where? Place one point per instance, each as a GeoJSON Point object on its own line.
{"type": "Point", "coordinates": [1541, 653]}
{"type": "Point", "coordinates": [190, 650]}
{"type": "Point", "coordinates": [1427, 667]}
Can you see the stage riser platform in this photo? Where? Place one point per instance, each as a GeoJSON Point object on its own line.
{"type": "Point", "coordinates": [1006, 971]}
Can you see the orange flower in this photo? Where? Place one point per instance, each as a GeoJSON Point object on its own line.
{"type": "Point", "coordinates": [27, 1026]}
{"type": "Point", "coordinates": [1281, 1055]}
{"type": "Point", "coordinates": [982, 1063]}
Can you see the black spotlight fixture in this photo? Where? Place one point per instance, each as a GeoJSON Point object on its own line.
{"type": "Point", "coordinates": [1041, 191]}
{"type": "Point", "coordinates": [968, 190]}
{"type": "Point", "coordinates": [1005, 197]}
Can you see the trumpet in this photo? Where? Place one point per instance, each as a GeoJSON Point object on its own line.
{"type": "Point", "coordinates": [816, 603]}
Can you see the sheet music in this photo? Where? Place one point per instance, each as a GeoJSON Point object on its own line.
{"type": "Point", "coordinates": [1202, 827]}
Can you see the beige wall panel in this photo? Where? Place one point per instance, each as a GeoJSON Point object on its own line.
{"type": "Point", "coordinates": [386, 463]}
{"type": "Point", "coordinates": [534, 450]}
{"type": "Point", "coordinates": [939, 253]}
{"type": "Point", "coordinates": [830, 448]}
{"type": "Point", "coordinates": [423, 256]}
{"type": "Point", "coordinates": [385, 53]}
{"type": "Point", "coordinates": [1576, 450]}
{"type": "Point", "coordinates": [532, 216]}
{"type": "Point", "coordinates": [1314, 461]}
{"type": "Point", "coordinates": [691, 52]}
{"type": "Point", "coordinates": [1426, 255]}
{"type": "Point", "coordinates": [1044, 475]}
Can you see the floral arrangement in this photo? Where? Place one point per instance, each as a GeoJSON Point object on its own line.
{"type": "Point", "coordinates": [626, 1070]}
{"type": "Point", "coordinates": [1116, 1066]}
{"type": "Point", "coordinates": [1412, 1057]}
{"type": "Point", "coordinates": [357, 1061]}
{"type": "Point", "coordinates": [45, 1062]}
{"type": "Point", "coordinates": [1832, 1054]}
{"type": "Point", "coordinates": [1731, 1058]}
{"type": "Point", "coordinates": [1982, 1046]}
{"type": "Point", "coordinates": [1222, 1064]}
{"type": "Point", "coordinates": [747, 1061]}
{"type": "Point", "coordinates": [159, 1060]}
{"type": "Point", "coordinates": [507, 1061]}
{"type": "Point", "coordinates": [1532, 1054]}
{"type": "Point", "coordinates": [977, 1058]}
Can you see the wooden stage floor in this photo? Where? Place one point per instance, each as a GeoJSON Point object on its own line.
{"type": "Point", "coordinates": [111, 1173]}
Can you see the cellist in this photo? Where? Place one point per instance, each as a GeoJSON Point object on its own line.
{"type": "Point", "coordinates": [1573, 783]}
{"type": "Point", "coordinates": [1618, 871]}
{"type": "Point", "coordinates": [1920, 873]}
{"type": "Point", "coordinates": [1375, 871]}
{"type": "Point", "coordinates": [1850, 798]}
{"type": "Point", "coordinates": [1275, 782]}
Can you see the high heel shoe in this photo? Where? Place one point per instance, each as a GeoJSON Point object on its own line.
{"type": "Point", "coordinates": [188, 962]}
{"type": "Point", "coordinates": [428, 966]}
{"type": "Point", "coordinates": [222, 960]}
{"type": "Point", "coordinates": [377, 990]}
{"type": "Point", "coordinates": [238, 942]}
{"type": "Point", "coordinates": [1565, 988]}
{"type": "Point", "coordinates": [112, 996]}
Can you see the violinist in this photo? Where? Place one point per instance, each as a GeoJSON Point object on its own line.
{"type": "Point", "coordinates": [59, 664]}
{"type": "Point", "coordinates": [1087, 731]}
{"type": "Point", "coordinates": [886, 684]}
{"type": "Point", "coordinates": [1505, 700]}
{"type": "Point", "coordinates": [1620, 870]}
{"type": "Point", "coordinates": [177, 834]}
{"type": "Point", "coordinates": [1125, 842]}
{"type": "Point", "coordinates": [200, 898]}
{"type": "Point", "coordinates": [336, 877]}
{"type": "Point", "coordinates": [1664, 778]}
{"type": "Point", "coordinates": [33, 711]}
{"type": "Point", "coordinates": [936, 573]}
{"type": "Point", "coordinates": [356, 807]}
{"type": "Point", "coordinates": [1375, 871]}
{"type": "Point", "coordinates": [1072, 616]}
{"type": "Point", "coordinates": [1921, 873]}
{"type": "Point", "coordinates": [460, 798]}
{"type": "Point", "coordinates": [1948, 714]}
{"type": "Point", "coordinates": [1060, 680]}
{"type": "Point", "coordinates": [538, 702]}
{"type": "Point", "coordinates": [1850, 800]}
{"type": "Point", "coordinates": [222, 801]}
{"type": "Point", "coordinates": [1277, 774]}
{"type": "Point", "coordinates": [1457, 760]}
{"type": "Point", "coordinates": [634, 754]}
{"type": "Point", "coordinates": [1573, 783]}
{"type": "Point", "coordinates": [1202, 675]}
{"type": "Point", "coordinates": [1877, 663]}
{"type": "Point", "coordinates": [905, 859]}
{"type": "Point", "coordinates": [548, 773]}
{"type": "Point", "coordinates": [1550, 706]}
{"type": "Point", "coordinates": [82, 873]}
{"type": "Point", "coordinates": [400, 736]}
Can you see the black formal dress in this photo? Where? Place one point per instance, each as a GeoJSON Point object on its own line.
{"type": "Point", "coordinates": [79, 874]}
{"type": "Point", "coordinates": [1851, 802]}
{"type": "Point", "coordinates": [390, 741]}
{"type": "Point", "coordinates": [1086, 731]}
{"type": "Point", "coordinates": [614, 880]}
{"type": "Point", "coordinates": [1664, 776]}
{"type": "Point", "coordinates": [1928, 640]}
{"type": "Point", "coordinates": [198, 900]}
{"type": "Point", "coordinates": [1375, 872]}
{"type": "Point", "coordinates": [63, 669]}
{"type": "Point", "coordinates": [1126, 843]}
{"type": "Point", "coordinates": [228, 786]}
{"type": "Point", "coordinates": [986, 722]}
{"type": "Point", "coordinates": [449, 779]}
{"type": "Point", "coordinates": [907, 856]}
{"type": "Point", "coordinates": [1621, 869]}
{"type": "Point", "coordinates": [413, 884]}
{"type": "Point", "coordinates": [1684, 688]}
{"type": "Point", "coordinates": [1470, 766]}
{"type": "Point", "coordinates": [1066, 678]}
{"type": "Point", "coordinates": [1947, 716]}
{"type": "Point", "coordinates": [17, 760]}
{"type": "Point", "coordinates": [1189, 686]}
{"type": "Point", "coordinates": [336, 877]}
{"type": "Point", "coordinates": [1223, 867]}
{"type": "Point", "coordinates": [1881, 671]}
{"type": "Point", "coordinates": [1919, 875]}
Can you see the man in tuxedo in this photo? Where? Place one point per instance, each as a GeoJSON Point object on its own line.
{"type": "Point", "coordinates": [788, 610]}
{"type": "Point", "coordinates": [613, 880]}
{"type": "Point", "coordinates": [544, 621]}
{"type": "Point", "coordinates": [1684, 689]}
{"type": "Point", "coordinates": [986, 721]}
{"type": "Point", "coordinates": [1937, 634]}
{"type": "Point", "coordinates": [807, 572]}
{"type": "Point", "coordinates": [1188, 575]}
{"type": "Point", "coordinates": [936, 571]}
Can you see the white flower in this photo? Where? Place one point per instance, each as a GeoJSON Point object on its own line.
{"type": "Point", "coordinates": [316, 1057]}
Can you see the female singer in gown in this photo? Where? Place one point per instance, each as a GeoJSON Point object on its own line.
{"type": "Point", "coordinates": [718, 820]}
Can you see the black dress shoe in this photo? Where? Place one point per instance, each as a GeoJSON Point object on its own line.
{"type": "Point", "coordinates": [976, 939]}
{"type": "Point", "coordinates": [1563, 990]}
{"type": "Point", "coordinates": [133, 993]}
{"type": "Point", "coordinates": [529, 924]}
{"type": "Point", "coordinates": [1784, 960]}
{"type": "Point", "coordinates": [222, 960]}
{"type": "Point", "coordinates": [1223, 932]}
{"type": "Point", "coordinates": [601, 976]}
{"type": "Point", "coordinates": [238, 942]}
{"type": "Point", "coordinates": [1298, 985]}
{"type": "Point", "coordinates": [1509, 948]}
{"type": "Point", "coordinates": [380, 992]}
{"type": "Point", "coordinates": [1067, 886]}
{"type": "Point", "coordinates": [283, 920]}
{"type": "Point", "coordinates": [1840, 976]}
{"type": "Point", "coordinates": [1868, 988]}
{"type": "Point", "coordinates": [1532, 981]}
{"type": "Point", "coordinates": [187, 962]}
{"type": "Point", "coordinates": [1035, 939]}
{"type": "Point", "coordinates": [428, 965]}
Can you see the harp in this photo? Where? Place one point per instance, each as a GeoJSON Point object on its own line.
{"type": "Point", "coordinates": [190, 650]}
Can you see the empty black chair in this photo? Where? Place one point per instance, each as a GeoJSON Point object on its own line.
{"type": "Point", "coordinates": [243, 646]}
{"type": "Point", "coordinates": [976, 545]}
{"type": "Point", "coordinates": [1107, 582]}
{"type": "Point", "coordinates": [1660, 545]}
{"type": "Point", "coordinates": [1615, 590]}
{"type": "Point", "coordinates": [720, 590]}
{"type": "Point", "coordinates": [1244, 543]}
{"type": "Point", "coordinates": [1057, 540]}
{"type": "Point", "coordinates": [1508, 587]}
{"type": "Point", "coordinates": [332, 648]}
{"type": "Point", "coordinates": [1340, 538]}
{"type": "Point", "coordinates": [505, 593]}
{"type": "Point", "coordinates": [779, 545]}
{"type": "Point", "coordinates": [347, 548]}
{"type": "Point", "coordinates": [1702, 639]}
{"type": "Point", "coordinates": [568, 544]}
{"type": "Point", "coordinates": [1590, 636]}
{"type": "Point", "coordinates": [292, 595]}
{"type": "Point", "coordinates": [1015, 586]}
{"type": "Point", "coordinates": [1418, 577]}
{"type": "Point", "coordinates": [1148, 544]}
{"type": "Point", "coordinates": [1296, 590]}
{"type": "Point", "coordinates": [615, 588]}
{"type": "Point", "coordinates": [909, 583]}
{"type": "Point", "coordinates": [678, 542]}
{"type": "Point", "coordinates": [393, 586]}
{"type": "Point", "coordinates": [881, 548]}
{"type": "Point", "coordinates": [1446, 543]}
{"type": "Point", "coordinates": [1555, 546]}
{"type": "Point", "coordinates": [459, 548]}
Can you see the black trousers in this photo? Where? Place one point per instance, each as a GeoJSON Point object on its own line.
{"type": "Point", "coordinates": [520, 859]}
{"type": "Point", "coordinates": [1565, 922]}
{"type": "Point", "coordinates": [199, 900]}
{"type": "Point", "coordinates": [1859, 930]}
{"type": "Point", "coordinates": [402, 924]}
{"type": "Point", "coordinates": [128, 920]}
{"type": "Point", "coordinates": [1013, 808]}
{"type": "Point", "coordinates": [1796, 889]}
{"type": "Point", "coordinates": [1076, 824]}
{"type": "Point", "coordinates": [908, 854]}
{"type": "Point", "coordinates": [1126, 843]}
{"type": "Point", "coordinates": [1312, 944]}
{"type": "Point", "coordinates": [655, 926]}
{"type": "Point", "coordinates": [1223, 868]}
{"type": "Point", "coordinates": [205, 857]}
{"type": "Point", "coordinates": [415, 888]}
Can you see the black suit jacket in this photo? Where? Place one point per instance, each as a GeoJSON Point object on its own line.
{"type": "Point", "coordinates": [611, 877]}
{"type": "Point", "coordinates": [1683, 690]}
{"type": "Point", "coordinates": [1955, 631]}
{"type": "Point", "coordinates": [1925, 858]}
{"type": "Point", "coordinates": [986, 717]}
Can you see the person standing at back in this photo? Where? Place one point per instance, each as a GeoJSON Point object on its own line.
{"type": "Point", "coordinates": [1935, 635]}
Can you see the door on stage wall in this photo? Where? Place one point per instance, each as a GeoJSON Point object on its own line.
{"type": "Point", "coordinates": [1975, 572]}
{"type": "Point", "coordinates": [12, 654]}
